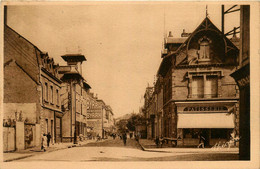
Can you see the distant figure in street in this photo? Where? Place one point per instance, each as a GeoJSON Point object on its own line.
{"type": "Point", "coordinates": [98, 137]}
{"type": "Point", "coordinates": [124, 139]}
{"type": "Point", "coordinates": [48, 139]}
{"type": "Point", "coordinates": [137, 137]}
{"type": "Point", "coordinates": [202, 141]}
{"type": "Point", "coordinates": [157, 141]}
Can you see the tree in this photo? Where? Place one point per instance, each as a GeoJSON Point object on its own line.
{"type": "Point", "coordinates": [134, 120]}
{"type": "Point", "coordinates": [121, 126]}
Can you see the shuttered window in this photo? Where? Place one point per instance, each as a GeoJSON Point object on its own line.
{"type": "Point", "coordinates": [211, 86]}
{"type": "Point", "coordinates": [197, 86]}
{"type": "Point", "coordinates": [204, 87]}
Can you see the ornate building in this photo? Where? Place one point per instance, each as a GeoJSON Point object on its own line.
{"type": "Point", "coordinates": [199, 97]}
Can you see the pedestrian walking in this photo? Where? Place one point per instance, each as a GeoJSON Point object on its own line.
{"type": "Point", "coordinates": [157, 141]}
{"type": "Point", "coordinates": [202, 141]}
{"type": "Point", "coordinates": [124, 139]}
{"type": "Point", "coordinates": [137, 137]}
{"type": "Point", "coordinates": [48, 139]}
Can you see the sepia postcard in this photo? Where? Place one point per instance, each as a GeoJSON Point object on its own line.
{"type": "Point", "coordinates": [130, 84]}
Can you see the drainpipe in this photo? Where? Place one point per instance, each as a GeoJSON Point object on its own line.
{"type": "Point", "coordinates": [102, 122]}
{"type": "Point", "coordinates": [75, 136]}
{"type": "Point", "coordinates": [71, 112]}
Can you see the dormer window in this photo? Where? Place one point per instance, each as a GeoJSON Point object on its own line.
{"type": "Point", "coordinates": [204, 50]}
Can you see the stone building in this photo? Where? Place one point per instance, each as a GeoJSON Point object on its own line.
{"type": "Point", "coordinates": [31, 91]}
{"type": "Point", "coordinates": [195, 96]}
{"type": "Point", "coordinates": [73, 98]}
{"type": "Point", "coordinates": [242, 77]}
{"type": "Point", "coordinates": [146, 110]}
{"type": "Point", "coordinates": [109, 125]}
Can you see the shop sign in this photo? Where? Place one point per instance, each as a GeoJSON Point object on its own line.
{"type": "Point", "coordinates": [205, 108]}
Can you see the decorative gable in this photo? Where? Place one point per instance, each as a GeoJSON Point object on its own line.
{"type": "Point", "coordinates": [207, 45]}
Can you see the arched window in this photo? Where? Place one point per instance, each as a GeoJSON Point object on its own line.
{"type": "Point", "coordinates": [204, 50]}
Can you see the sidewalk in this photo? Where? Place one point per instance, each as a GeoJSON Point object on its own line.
{"type": "Point", "coordinates": [11, 156]}
{"type": "Point", "coordinates": [149, 145]}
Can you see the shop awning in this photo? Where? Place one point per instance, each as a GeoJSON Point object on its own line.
{"type": "Point", "coordinates": [206, 120]}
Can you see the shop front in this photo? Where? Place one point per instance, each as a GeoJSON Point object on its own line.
{"type": "Point", "coordinates": [214, 122]}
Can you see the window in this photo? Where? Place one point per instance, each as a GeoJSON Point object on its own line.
{"type": "Point", "coordinates": [220, 133]}
{"type": "Point", "coordinates": [51, 94]}
{"type": "Point", "coordinates": [197, 86]}
{"type": "Point", "coordinates": [46, 91]}
{"type": "Point", "coordinates": [204, 50]}
{"type": "Point", "coordinates": [204, 86]}
{"type": "Point", "coordinates": [190, 133]}
{"type": "Point", "coordinates": [211, 86]}
{"type": "Point", "coordinates": [57, 97]}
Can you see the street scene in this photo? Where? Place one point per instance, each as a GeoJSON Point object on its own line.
{"type": "Point", "coordinates": [121, 82]}
{"type": "Point", "coordinates": [114, 150]}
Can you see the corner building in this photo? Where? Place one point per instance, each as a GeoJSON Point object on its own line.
{"type": "Point", "coordinates": [199, 96]}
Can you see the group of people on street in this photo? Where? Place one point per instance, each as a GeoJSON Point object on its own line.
{"type": "Point", "coordinates": [46, 138]}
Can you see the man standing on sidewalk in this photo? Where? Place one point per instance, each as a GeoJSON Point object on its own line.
{"type": "Point", "coordinates": [124, 139]}
{"type": "Point", "coordinates": [48, 139]}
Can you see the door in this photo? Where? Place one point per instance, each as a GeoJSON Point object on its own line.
{"type": "Point", "coordinates": [58, 130]}
{"type": "Point", "coordinates": [29, 130]}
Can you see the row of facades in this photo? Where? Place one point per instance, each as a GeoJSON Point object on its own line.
{"type": "Point", "coordinates": [42, 97]}
{"type": "Point", "coordinates": [194, 94]}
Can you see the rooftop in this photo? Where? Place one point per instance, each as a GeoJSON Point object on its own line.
{"type": "Point", "coordinates": [74, 58]}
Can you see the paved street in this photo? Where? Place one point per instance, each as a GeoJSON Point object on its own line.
{"type": "Point", "coordinates": [114, 150]}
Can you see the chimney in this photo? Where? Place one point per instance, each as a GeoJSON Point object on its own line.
{"type": "Point", "coordinates": [5, 15]}
{"type": "Point", "coordinates": [235, 33]}
{"type": "Point", "coordinates": [184, 34]}
{"type": "Point", "coordinates": [170, 34]}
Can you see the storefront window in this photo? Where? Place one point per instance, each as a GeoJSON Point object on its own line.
{"type": "Point", "coordinates": [220, 133]}
{"type": "Point", "coordinates": [190, 133]}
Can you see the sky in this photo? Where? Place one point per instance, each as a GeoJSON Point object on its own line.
{"type": "Point", "coordinates": [121, 41]}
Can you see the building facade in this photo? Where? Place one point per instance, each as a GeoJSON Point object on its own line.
{"type": "Point", "coordinates": [74, 98]}
{"type": "Point", "coordinates": [242, 77]}
{"type": "Point", "coordinates": [31, 91]}
{"type": "Point", "coordinates": [195, 96]}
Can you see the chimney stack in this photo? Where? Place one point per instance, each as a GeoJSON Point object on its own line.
{"type": "Point", "coordinates": [170, 34]}
{"type": "Point", "coordinates": [5, 15]}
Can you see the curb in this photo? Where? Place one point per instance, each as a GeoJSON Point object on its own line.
{"type": "Point", "coordinates": [141, 146]}
{"type": "Point", "coordinates": [19, 158]}
{"type": "Point", "coordinates": [48, 151]}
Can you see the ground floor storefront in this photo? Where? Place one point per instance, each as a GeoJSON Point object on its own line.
{"type": "Point", "coordinates": [189, 123]}
{"type": "Point", "coordinates": [208, 122]}
{"type": "Point", "coordinates": [193, 137]}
